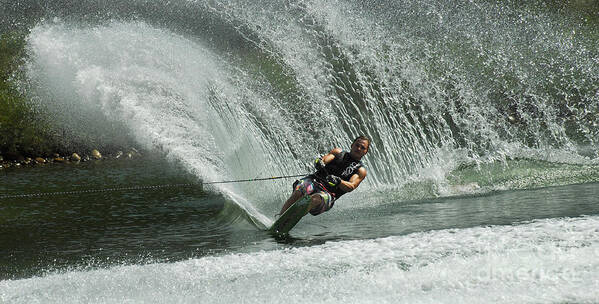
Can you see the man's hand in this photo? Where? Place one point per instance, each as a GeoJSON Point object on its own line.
{"type": "Point", "coordinates": [319, 164]}
{"type": "Point", "coordinates": [333, 180]}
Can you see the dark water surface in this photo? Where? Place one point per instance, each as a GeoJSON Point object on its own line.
{"type": "Point", "coordinates": [50, 231]}
{"type": "Point", "coordinates": [82, 230]}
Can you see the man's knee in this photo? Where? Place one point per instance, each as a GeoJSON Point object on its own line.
{"type": "Point", "coordinates": [315, 200]}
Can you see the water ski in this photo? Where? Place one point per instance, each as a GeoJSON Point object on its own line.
{"type": "Point", "coordinates": [291, 216]}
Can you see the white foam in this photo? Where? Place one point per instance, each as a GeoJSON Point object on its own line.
{"type": "Point", "coordinates": [554, 260]}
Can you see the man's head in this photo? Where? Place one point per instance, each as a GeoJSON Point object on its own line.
{"type": "Point", "coordinates": [359, 147]}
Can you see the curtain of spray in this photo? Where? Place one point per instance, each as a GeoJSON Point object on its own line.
{"type": "Point", "coordinates": [239, 89]}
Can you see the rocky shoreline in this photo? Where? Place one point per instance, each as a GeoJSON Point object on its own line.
{"type": "Point", "coordinates": [94, 155]}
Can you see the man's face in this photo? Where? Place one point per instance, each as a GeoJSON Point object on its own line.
{"type": "Point", "coordinates": [359, 149]}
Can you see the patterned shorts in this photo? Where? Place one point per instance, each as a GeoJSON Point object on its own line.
{"type": "Point", "coordinates": [308, 186]}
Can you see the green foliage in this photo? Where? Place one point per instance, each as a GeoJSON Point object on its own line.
{"type": "Point", "coordinates": [21, 133]}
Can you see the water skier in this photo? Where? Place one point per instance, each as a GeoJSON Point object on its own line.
{"type": "Point", "coordinates": [337, 173]}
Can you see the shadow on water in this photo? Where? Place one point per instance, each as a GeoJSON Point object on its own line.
{"type": "Point", "coordinates": [495, 208]}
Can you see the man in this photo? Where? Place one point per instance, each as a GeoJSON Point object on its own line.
{"type": "Point", "coordinates": [336, 173]}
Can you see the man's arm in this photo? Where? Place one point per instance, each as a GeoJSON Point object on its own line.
{"type": "Point", "coordinates": [327, 159]}
{"type": "Point", "coordinates": [354, 181]}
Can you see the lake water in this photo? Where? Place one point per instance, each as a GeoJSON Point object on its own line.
{"type": "Point", "coordinates": [185, 244]}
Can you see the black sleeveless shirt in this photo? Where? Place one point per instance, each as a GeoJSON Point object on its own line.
{"type": "Point", "coordinates": [343, 166]}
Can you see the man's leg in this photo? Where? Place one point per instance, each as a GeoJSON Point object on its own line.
{"type": "Point", "coordinates": [315, 200]}
{"type": "Point", "coordinates": [295, 195]}
{"type": "Point", "coordinates": [320, 202]}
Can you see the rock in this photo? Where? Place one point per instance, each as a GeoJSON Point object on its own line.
{"type": "Point", "coordinates": [27, 161]}
{"type": "Point", "coordinates": [85, 158]}
{"type": "Point", "coordinates": [40, 160]}
{"type": "Point", "coordinates": [56, 155]}
{"type": "Point", "coordinates": [96, 154]}
{"type": "Point", "coordinates": [133, 152]}
{"type": "Point", "coordinates": [75, 157]}
{"type": "Point", "coordinates": [118, 154]}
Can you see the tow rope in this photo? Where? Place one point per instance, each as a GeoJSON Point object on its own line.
{"type": "Point", "coordinates": [146, 187]}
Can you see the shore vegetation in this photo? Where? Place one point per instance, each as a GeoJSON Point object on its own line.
{"type": "Point", "coordinates": [22, 132]}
